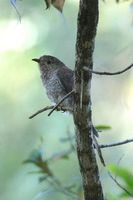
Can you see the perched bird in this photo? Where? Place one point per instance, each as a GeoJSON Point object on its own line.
{"type": "Point", "coordinates": [58, 81]}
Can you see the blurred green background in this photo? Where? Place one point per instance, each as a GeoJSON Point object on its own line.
{"type": "Point", "coordinates": [21, 92]}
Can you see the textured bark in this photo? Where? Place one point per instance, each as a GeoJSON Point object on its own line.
{"type": "Point", "coordinates": [86, 32]}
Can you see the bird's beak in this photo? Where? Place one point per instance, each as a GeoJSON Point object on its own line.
{"type": "Point", "coordinates": [36, 60]}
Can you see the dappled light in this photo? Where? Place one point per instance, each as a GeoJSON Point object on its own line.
{"type": "Point", "coordinates": [17, 36]}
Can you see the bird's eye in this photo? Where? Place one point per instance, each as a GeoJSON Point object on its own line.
{"type": "Point", "coordinates": [49, 61]}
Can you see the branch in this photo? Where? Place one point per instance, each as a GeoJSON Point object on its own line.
{"type": "Point", "coordinates": [98, 148]}
{"type": "Point", "coordinates": [86, 32]}
{"type": "Point", "coordinates": [114, 179]}
{"type": "Point", "coordinates": [42, 110]}
{"type": "Point", "coordinates": [116, 144]}
{"type": "Point", "coordinates": [67, 139]}
{"type": "Point", "coordinates": [57, 105]}
{"type": "Point", "coordinates": [109, 73]}
{"type": "Point", "coordinates": [49, 108]}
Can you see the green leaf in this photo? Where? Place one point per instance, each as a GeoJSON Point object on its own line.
{"type": "Point", "coordinates": [66, 157]}
{"type": "Point", "coordinates": [35, 156]}
{"type": "Point", "coordinates": [43, 178]}
{"type": "Point", "coordinates": [122, 173]}
{"type": "Point", "coordinates": [112, 197]}
{"type": "Point", "coordinates": [103, 127]}
{"type": "Point", "coordinates": [59, 156]}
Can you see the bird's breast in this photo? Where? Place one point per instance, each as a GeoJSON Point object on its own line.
{"type": "Point", "coordinates": [53, 87]}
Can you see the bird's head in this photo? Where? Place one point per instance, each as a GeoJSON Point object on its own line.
{"type": "Point", "coordinates": [48, 63]}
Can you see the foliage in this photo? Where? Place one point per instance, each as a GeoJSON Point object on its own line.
{"type": "Point", "coordinates": [38, 159]}
{"type": "Point", "coordinates": [127, 179]}
{"type": "Point", "coordinates": [58, 4]}
{"type": "Point", "coordinates": [103, 127]}
{"type": "Point", "coordinates": [73, 190]}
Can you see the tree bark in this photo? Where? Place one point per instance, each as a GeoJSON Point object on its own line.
{"type": "Point", "coordinates": [86, 32]}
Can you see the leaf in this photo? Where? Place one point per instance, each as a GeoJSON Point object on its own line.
{"type": "Point", "coordinates": [112, 197]}
{"type": "Point", "coordinates": [65, 157]}
{"type": "Point", "coordinates": [58, 4]}
{"type": "Point", "coordinates": [122, 173]}
{"type": "Point", "coordinates": [35, 156]}
{"type": "Point", "coordinates": [67, 139]}
{"type": "Point", "coordinates": [43, 178]}
{"type": "Point", "coordinates": [103, 127]}
{"type": "Point", "coordinates": [48, 2]}
{"type": "Point", "coordinates": [58, 156]}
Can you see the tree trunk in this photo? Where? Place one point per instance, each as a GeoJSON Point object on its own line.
{"type": "Point", "coordinates": [86, 32]}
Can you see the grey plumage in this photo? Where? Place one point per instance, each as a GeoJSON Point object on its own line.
{"type": "Point", "coordinates": [57, 79]}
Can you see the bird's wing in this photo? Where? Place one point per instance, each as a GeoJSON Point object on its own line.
{"type": "Point", "coordinates": [66, 77]}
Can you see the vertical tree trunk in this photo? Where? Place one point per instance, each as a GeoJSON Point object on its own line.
{"type": "Point", "coordinates": [86, 32]}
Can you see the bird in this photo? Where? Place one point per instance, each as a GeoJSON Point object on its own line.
{"type": "Point", "coordinates": [58, 81]}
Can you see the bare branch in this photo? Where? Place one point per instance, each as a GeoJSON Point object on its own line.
{"type": "Point", "coordinates": [57, 105]}
{"type": "Point", "coordinates": [109, 73]}
{"type": "Point", "coordinates": [102, 145]}
{"type": "Point", "coordinates": [42, 110]}
{"type": "Point", "coordinates": [116, 144]}
{"type": "Point", "coordinates": [49, 108]}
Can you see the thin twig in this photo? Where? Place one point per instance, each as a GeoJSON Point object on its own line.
{"type": "Point", "coordinates": [109, 73]}
{"type": "Point", "coordinates": [97, 147]}
{"type": "Point", "coordinates": [114, 179]}
{"type": "Point", "coordinates": [119, 185]}
{"type": "Point", "coordinates": [49, 108]}
{"type": "Point", "coordinates": [116, 144]}
{"type": "Point", "coordinates": [57, 105]}
{"type": "Point", "coordinates": [14, 5]}
{"type": "Point", "coordinates": [118, 162]}
{"type": "Point", "coordinates": [60, 155]}
{"type": "Point", "coordinates": [42, 110]}
{"type": "Point", "coordinates": [58, 186]}
{"type": "Point", "coordinates": [102, 145]}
